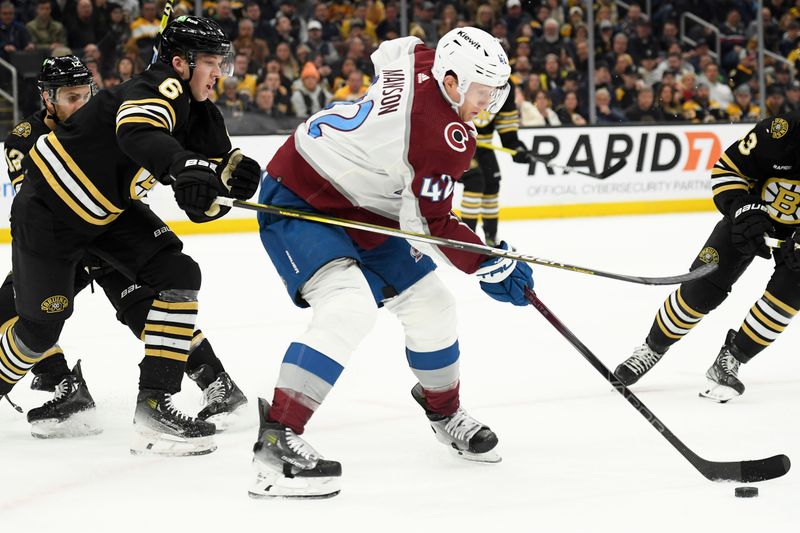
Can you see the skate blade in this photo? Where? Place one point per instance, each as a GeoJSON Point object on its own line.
{"type": "Point", "coordinates": [275, 485]}
{"type": "Point", "coordinates": [82, 424]}
{"type": "Point", "coordinates": [171, 446]}
{"type": "Point", "coordinates": [226, 421]}
{"type": "Point", "coordinates": [487, 457]}
{"type": "Point", "coordinates": [719, 393]}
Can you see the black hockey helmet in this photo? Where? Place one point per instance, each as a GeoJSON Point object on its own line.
{"type": "Point", "coordinates": [64, 71]}
{"type": "Point", "coordinates": [188, 36]}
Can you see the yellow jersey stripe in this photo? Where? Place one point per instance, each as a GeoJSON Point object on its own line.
{"type": "Point", "coordinates": [158, 101]}
{"type": "Point", "coordinates": [750, 333]}
{"type": "Point", "coordinates": [167, 354]}
{"type": "Point", "coordinates": [740, 186]}
{"type": "Point", "coordinates": [174, 306]}
{"type": "Point", "coordinates": [685, 307]}
{"type": "Point", "coordinates": [790, 310]}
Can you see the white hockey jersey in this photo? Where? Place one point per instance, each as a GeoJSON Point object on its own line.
{"type": "Point", "coordinates": [390, 158]}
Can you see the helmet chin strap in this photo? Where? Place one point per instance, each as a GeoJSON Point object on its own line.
{"type": "Point", "coordinates": [51, 115]}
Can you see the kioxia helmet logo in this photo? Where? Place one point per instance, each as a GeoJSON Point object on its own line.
{"type": "Point", "coordinates": [455, 134]}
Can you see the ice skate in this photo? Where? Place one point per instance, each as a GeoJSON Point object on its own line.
{"type": "Point", "coordinates": [161, 429]}
{"type": "Point", "coordinates": [465, 436]}
{"type": "Point", "coordinates": [637, 365]}
{"type": "Point", "coordinates": [71, 412]}
{"type": "Point", "coordinates": [723, 377]}
{"type": "Point", "coordinates": [287, 466]}
{"type": "Point", "coordinates": [223, 400]}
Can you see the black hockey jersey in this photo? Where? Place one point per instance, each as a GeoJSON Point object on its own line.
{"type": "Point", "coordinates": [506, 122]}
{"type": "Point", "coordinates": [19, 141]}
{"type": "Point", "coordinates": [112, 150]}
{"type": "Point", "coordinates": [765, 163]}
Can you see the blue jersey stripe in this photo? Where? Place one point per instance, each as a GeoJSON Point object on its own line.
{"type": "Point", "coordinates": [313, 361]}
{"type": "Point", "coordinates": [433, 360]}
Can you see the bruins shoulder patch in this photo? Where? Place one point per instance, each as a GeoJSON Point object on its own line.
{"type": "Point", "coordinates": [778, 128]}
{"type": "Point", "coordinates": [55, 304]}
{"type": "Point", "coordinates": [709, 255]}
{"type": "Point", "coordinates": [22, 129]}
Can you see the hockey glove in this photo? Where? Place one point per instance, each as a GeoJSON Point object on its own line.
{"type": "Point", "coordinates": [750, 221]}
{"type": "Point", "coordinates": [505, 279]}
{"type": "Point", "coordinates": [522, 156]}
{"type": "Point", "coordinates": [240, 175]}
{"type": "Point", "coordinates": [196, 185]}
{"type": "Point", "coordinates": [790, 253]}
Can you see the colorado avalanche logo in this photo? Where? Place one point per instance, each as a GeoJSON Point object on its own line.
{"type": "Point", "coordinates": [455, 134]}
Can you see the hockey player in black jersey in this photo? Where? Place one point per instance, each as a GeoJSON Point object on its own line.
{"type": "Point", "coordinates": [65, 84]}
{"type": "Point", "coordinates": [81, 195]}
{"type": "Point", "coordinates": [482, 180]}
{"type": "Point", "coordinates": [755, 185]}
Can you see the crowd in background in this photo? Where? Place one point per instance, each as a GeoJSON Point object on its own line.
{"type": "Point", "coordinates": [293, 57]}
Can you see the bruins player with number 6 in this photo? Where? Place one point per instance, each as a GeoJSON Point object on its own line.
{"type": "Point", "coordinates": [756, 187]}
{"type": "Point", "coordinates": [81, 194]}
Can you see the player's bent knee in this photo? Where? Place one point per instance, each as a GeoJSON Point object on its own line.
{"type": "Point", "coordinates": [175, 270]}
{"type": "Point", "coordinates": [427, 310]}
{"type": "Point", "coordinates": [703, 295]}
{"type": "Point", "coordinates": [38, 336]}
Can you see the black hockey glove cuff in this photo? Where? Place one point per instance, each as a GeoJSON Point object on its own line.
{"type": "Point", "coordinates": [522, 156]}
{"type": "Point", "coordinates": [749, 222]}
{"type": "Point", "coordinates": [789, 252]}
{"type": "Point", "coordinates": [240, 175]}
{"type": "Point", "coordinates": [196, 184]}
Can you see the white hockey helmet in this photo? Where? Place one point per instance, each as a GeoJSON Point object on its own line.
{"type": "Point", "coordinates": [473, 56]}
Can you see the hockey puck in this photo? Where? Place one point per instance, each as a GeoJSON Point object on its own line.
{"type": "Point", "coordinates": [746, 492]}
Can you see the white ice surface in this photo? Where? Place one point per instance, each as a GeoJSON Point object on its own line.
{"type": "Point", "coordinates": [576, 456]}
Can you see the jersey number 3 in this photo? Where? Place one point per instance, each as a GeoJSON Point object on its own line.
{"type": "Point", "coordinates": [338, 122]}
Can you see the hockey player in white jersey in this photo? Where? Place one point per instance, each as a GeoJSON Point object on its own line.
{"type": "Point", "coordinates": [390, 158]}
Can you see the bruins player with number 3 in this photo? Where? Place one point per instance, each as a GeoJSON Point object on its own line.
{"type": "Point", "coordinates": [81, 194]}
{"type": "Point", "coordinates": [756, 187]}
{"type": "Point", "coordinates": [65, 85]}
{"type": "Point", "coordinates": [482, 180]}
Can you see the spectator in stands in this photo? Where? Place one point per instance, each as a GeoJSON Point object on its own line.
{"type": "Point", "coordinates": [643, 44]}
{"type": "Point", "coordinates": [745, 70]}
{"type": "Point", "coordinates": [423, 17]}
{"type": "Point", "coordinates": [775, 101]}
{"type": "Point", "coordinates": [515, 17]}
{"type": "Point", "coordinates": [625, 95]}
{"type": "Point", "coordinates": [793, 96]}
{"type": "Point", "coordinates": [245, 83]}
{"type": "Point", "coordinates": [669, 35]}
{"type": "Point", "coordinates": [330, 31]}
{"type": "Point", "coordinates": [356, 51]}
{"type": "Point", "coordinates": [230, 101]}
{"type": "Point", "coordinates": [790, 39]}
{"type": "Point", "coordinates": [648, 64]}
{"type": "Point", "coordinates": [283, 32]}
{"type": "Point", "coordinates": [45, 32]}
{"type": "Point", "coordinates": [552, 78]}
{"type": "Point", "coordinates": [604, 36]}
{"type": "Point", "coordinates": [743, 108]}
{"type": "Point", "coordinates": [732, 35]}
{"type": "Point", "coordinates": [581, 61]}
{"type": "Point", "coordinates": [667, 102]}
{"type": "Point", "coordinates": [261, 28]}
{"type": "Point", "coordinates": [551, 43]}
{"type": "Point", "coordinates": [288, 64]}
{"type": "Point", "coordinates": [644, 109]}
{"type": "Point", "coordinates": [701, 108]}
{"type": "Point", "coordinates": [318, 45]}
{"type": "Point", "coordinates": [257, 49]}
{"type": "Point", "coordinates": [568, 112]}
{"type": "Point", "coordinates": [539, 112]}
{"type": "Point", "coordinates": [606, 114]}
{"type": "Point", "coordinates": [522, 70]}
{"type": "Point", "coordinates": [309, 96]}
{"type": "Point", "coordinates": [91, 52]}
{"type": "Point", "coordinates": [353, 89]}
{"type": "Point", "coordinates": [719, 91]}
{"type": "Point", "coordinates": [264, 104]}
{"type": "Point", "coordinates": [780, 75]}
{"type": "Point", "coordinates": [223, 15]}
{"type": "Point", "coordinates": [85, 26]}
{"type": "Point", "coordinates": [119, 32]}
{"type": "Point", "coordinates": [125, 69]}
{"type": "Point", "coordinates": [772, 31]}
{"type": "Point", "coordinates": [687, 84]}
{"type": "Point", "coordinates": [144, 30]}
{"type": "Point", "coordinates": [500, 32]}
{"type": "Point", "coordinates": [537, 24]}
{"type": "Point", "coordinates": [389, 27]}
{"type": "Point", "coordinates": [619, 46]}
{"type": "Point", "coordinates": [281, 95]}
{"type": "Point", "coordinates": [632, 19]}
{"type": "Point", "coordinates": [131, 8]}
{"type": "Point", "coordinates": [13, 35]}
{"type": "Point", "coordinates": [484, 18]}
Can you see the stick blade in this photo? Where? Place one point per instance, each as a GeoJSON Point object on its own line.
{"type": "Point", "coordinates": [747, 471]}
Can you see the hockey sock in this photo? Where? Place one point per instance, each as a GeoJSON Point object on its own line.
{"type": "Point", "coordinates": [765, 321]}
{"type": "Point", "coordinates": [201, 353]}
{"type": "Point", "coordinates": [471, 209]}
{"type": "Point", "coordinates": [305, 379]}
{"type": "Point", "coordinates": [168, 333]}
{"type": "Point", "coordinates": [674, 319]}
{"type": "Point", "coordinates": [490, 212]}
{"type": "Point", "coordinates": [15, 360]}
{"type": "Point", "coordinates": [438, 373]}
{"type": "Point", "coordinates": [443, 402]}
{"type": "Point", "coordinates": [53, 362]}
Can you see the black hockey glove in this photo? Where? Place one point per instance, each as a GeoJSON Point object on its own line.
{"type": "Point", "coordinates": [522, 156]}
{"type": "Point", "coordinates": [750, 221]}
{"type": "Point", "coordinates": [789, 252]}
{"type": "Point", "coordinates": [196, 185]}
{"type": "Point", "coordinates": [240, 175]}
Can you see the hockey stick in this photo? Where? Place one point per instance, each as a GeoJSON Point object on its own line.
{"type": "Point", "coordinates": [610, 171]}
{"type": "Point", "coordinates": [164, 21]}
{"type": "Point", "coordinates": [772, 242]}
{"type": "Point", "coordinates": [460, 245]}
{"type": "Point", "coordinates": [741, 471]}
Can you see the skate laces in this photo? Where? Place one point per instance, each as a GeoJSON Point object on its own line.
{"type": "Point", "coordinates": [299, 446]}
{"type": "Point", "coordinates": [217, 391]}
{"type": "Point", "coordinates": [170, 407]}
{"type": "Point", "coordinates": [643, 359]}
{"type": "Point", "coordinates": [461, 426]}
{"type": "Point", "coordinates": [729, 364]}
{"type": "Point", "coordinates": [62, 389]}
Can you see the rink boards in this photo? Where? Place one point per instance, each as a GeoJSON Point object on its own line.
{"type": "Point", "coordinates": [667, 170]}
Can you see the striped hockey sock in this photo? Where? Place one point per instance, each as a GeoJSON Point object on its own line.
{"type": "Point", "coordinates": [766, 320]}
{"type": "Point", "coordinates": [15, 360]}
{"type": "Point", "coordinates": [674, 319]}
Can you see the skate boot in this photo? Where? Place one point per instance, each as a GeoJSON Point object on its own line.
{"type": "Point", "coordinates": [223, 400]}
{"type": "Point", "coordinates": [287, 466]}
{"type": "Point", "coordinates": [71, 412]}
{"type": "Point", "coordinates": [723, 377]}
{"type": "Point", "coordinates": [465, 436]}
{"type": "Point", "coordinates": [161, 429]}
{"type": "Point", "coordinates": [637, 365]}
{"type": "Point", "coordinates": [45, 382]}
